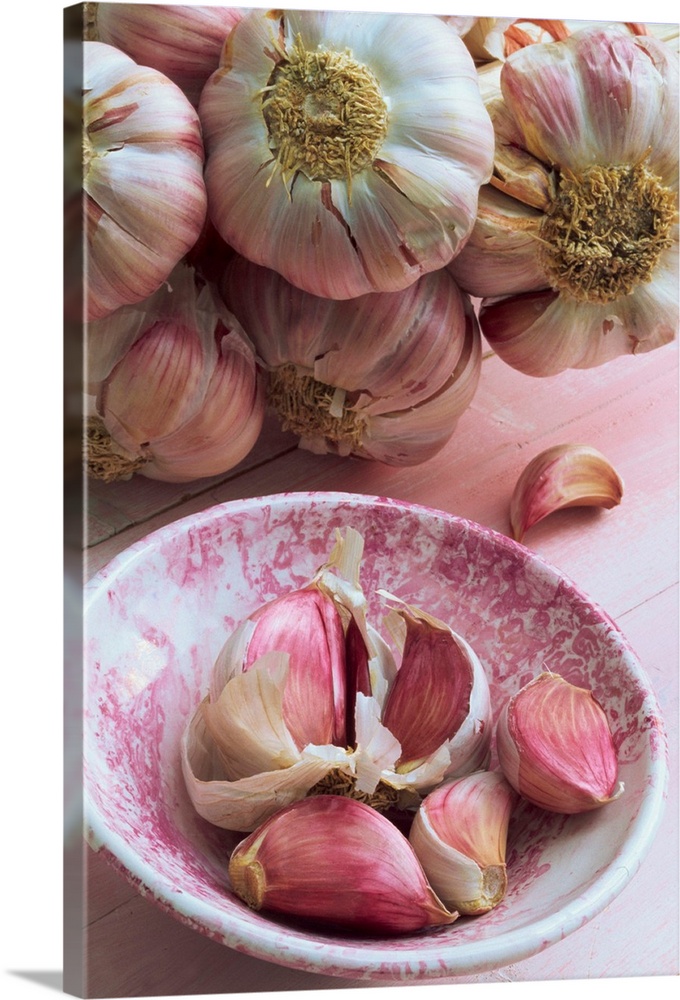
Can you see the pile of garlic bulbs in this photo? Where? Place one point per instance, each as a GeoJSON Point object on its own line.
{"type": "Point", "coordinates": [341, 748]}
{"type": "Point", "coordinates": [335, 189]}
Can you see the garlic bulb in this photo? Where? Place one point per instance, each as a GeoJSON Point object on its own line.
{"type": "Point", "coordinates": [337, 862]}
{"type": "Point", "coordinates": [575, 251]}
{"type": "Point", "coordinates": [460, 835]}
{"type": "Point", "coordinates": [178, 393]}
{"type": "Point", "coordinates": [144, 196]}
{"type": "Point", "coordinates": [345, 150]}
{"type": "Point", "coordinates": [565, 475]}
{"type": "Point", "coordinates": [182, 41]}
{"type": "Point", "coordinates": [555, 746]}
{"type": "Point", "coordinates": [306, 696]}
{"type": "Point", "coordinates": [384, 376]}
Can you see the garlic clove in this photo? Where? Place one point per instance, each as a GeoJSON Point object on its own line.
{"type": "Point", "coordinates": [555, 746]}
{"type": "Point", "coordinates": [460, 834]}
{"type": "Point", "coordinates": [439, 703]}
{"type": "Point", "coordinates": [565, 475]}
{"type": "Point", "coordinates": [337, 862]}
{"type": "Point", "coordinates": [323, 630]}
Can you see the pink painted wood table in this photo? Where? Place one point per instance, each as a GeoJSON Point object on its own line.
{"type": "Point", "coordinates": [625, 559]}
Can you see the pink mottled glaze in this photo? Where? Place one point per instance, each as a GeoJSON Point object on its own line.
{"type": "Point", "coordinates": [156, 618]}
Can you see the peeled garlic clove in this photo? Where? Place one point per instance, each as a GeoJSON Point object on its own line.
{"type": "Point", "coordinates": [555, 746]}
{"type": "Point", "coordinates": [336, 861]}
{"type": "Point", "coordinates": [566, 475]}
{"type": "Point", "coordinates": [460, 834]}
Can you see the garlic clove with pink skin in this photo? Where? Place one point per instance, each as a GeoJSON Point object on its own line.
{"type": "Point", "coordinates": [555, 746]}
{"type": "Point", "coordinates": [438, 706]}
{"type": "Point", "coordinates": [178, 393]}
{"type": "Point", "coordinates": [339, 863]}
{"type": "Point", "coordinates": [312, 626]}
{"type": "Point", "coordinates": [460, 836]}
{"type": "Point", "coordinates": [385, 376]}
{"type": "Point", "coordinates": [565, 475]}
{"type": "Point", "coordinates": [182, 41]}
{"type": "Point", "coordinates": [144, 197]}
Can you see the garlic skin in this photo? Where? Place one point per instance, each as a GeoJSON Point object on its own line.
{"type": "Point", "coordinates": [384, 376]}
{"type": "Point", "coordinates": [384, 188]}
{"type": "Point", "coordinates": [492, 38]}
{"type": "Point", "coordinates": [575, 250]}
{"type": "Point", "coordinates": [555, 747]}
{"type": "Point", "coordinates": [184, 42]}
{"type": "Point", "coordinates": [437, 704]}
{"type": "Point", "coordinates": [178, 394]}
{"type": "Point", "coordinates": [279, 723]}
{"type": "Point", "coordinates": [565, 475]}
{"type": "Point", "coordinates": [460, 836]}
{"type": "Point", "coordinates": [144, 196]}
{"type": "Point", "coordinates": [249, 747]}
{"type": "Point", "coordinates": [337, 862]}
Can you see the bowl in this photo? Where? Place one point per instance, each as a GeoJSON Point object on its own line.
{"type": "Point", "coordinates": [158, 614]}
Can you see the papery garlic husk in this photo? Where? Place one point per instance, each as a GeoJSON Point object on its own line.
{"type": "Point", "coordinates": [144, 196]}
{"type": "Point", "coordinates": [182, 41]}
{"type": "Point", "coordinates": [460, 836]}
{"type": "Point", "coordinates": [491, 38]}
{"type": "Point", "coordinates": [250, 746]}
{"type": "Point", "coordinates": [575, 248]}
{"type": "Point", "coordinates": [338, 863]}
{"type": "Point", "coordinates": [436, 705]}
{"type": "Point", "coordinates": [555, 746]}
{"type": "Point", "coordinates": [353, 187]}
{"type": "Point", "coordinates": [178, 393]}
{"type": "Point", "coordinates": [565, 475]}
{"type": "Point", "coordinates": [385, 376]}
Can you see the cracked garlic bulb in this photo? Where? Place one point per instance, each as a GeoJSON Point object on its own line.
{"type": "Point", "coordinates": [575, 250]}
{"type": "Point", "coordinates": [384, 376]}
{"type": "Point", "coordinates": [345, 150]}
{"type": "Point", "coordinates": [306, 697]}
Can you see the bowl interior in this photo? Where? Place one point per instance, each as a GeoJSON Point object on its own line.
{"type": "Point", "coordinates": [156, 618]}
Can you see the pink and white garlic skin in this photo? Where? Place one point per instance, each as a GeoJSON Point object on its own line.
{"type": "Point", "coordinates": [183, 41]}
{"type": "Point", "coordinates": [574, 251]}
{"type": "Point", "coordinates": [384, 376]}
{"type": "Point", "coordinates": [555, 746]}
{"type": "Point", "coordinates": [337, 862]}
{"type": "Point", "coordinates": [345, 150]}
{"type": "Point", "coordinates": [144, 197]}
{"type": "Point", "coordinates": [177, 387]}
{"type": "Point", "coordinates": [460, 835]}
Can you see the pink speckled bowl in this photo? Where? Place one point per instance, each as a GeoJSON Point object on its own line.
{"type": "Point", "coordinates": [156, 618]}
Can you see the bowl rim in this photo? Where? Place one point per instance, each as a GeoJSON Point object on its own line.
{"type": "Point", "coordinates": [374, 959]}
